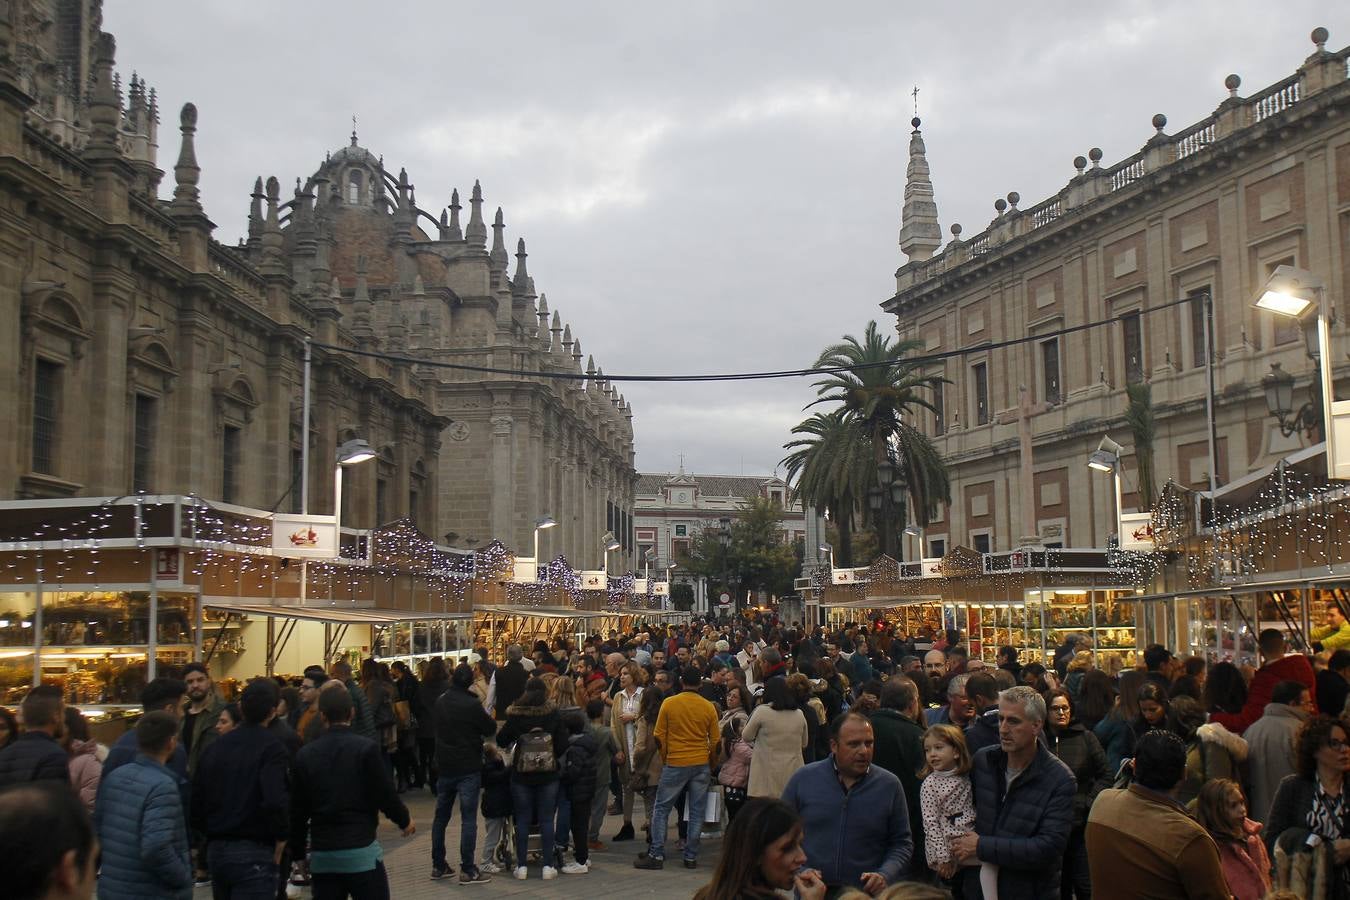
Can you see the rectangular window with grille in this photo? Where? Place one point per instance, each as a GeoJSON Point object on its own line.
{"type": "Point", "coordinates": [46, 403]}
{"type": "Point", "coordinates": [1197, 309]}
{"type": "Point", "coordinates": [381, 502]}
{"type": "Point", "coordinates": [939, 409]}
{"type": "Point", "coordinates": [1050, 370]}
{"type": "Point", "coordinates": [1133, 335]}
{"type": "Point", "coordinates": [980, 375]}
{"type": "Point", "coordinates": [229, 465]}
{"type": "Point", "coordinates": [980, 542]}
{"type": "Point", "coordinates": [143, 444]}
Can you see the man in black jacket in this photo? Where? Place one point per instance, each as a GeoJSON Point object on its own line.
{"type": "Point", "coordinates": [1023, 805]}
{"type": "Point", "coordinates": [35, 755]}
{"type": "Point", "coordinates": [461, 726]}
{"type": "Point", "coordinates": [982, 695]}
{"type": "Point", "coordinates": [241, 802]}
{"type": "Point", "coordinates": [341, 786]}
{"type": "Point", "coordinates": [511, 680]}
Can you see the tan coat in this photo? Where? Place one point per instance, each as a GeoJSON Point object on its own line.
{"type": "Point", "coordinates": [779, 737]}
{"type": "Point", "coordinates": [616, 725]}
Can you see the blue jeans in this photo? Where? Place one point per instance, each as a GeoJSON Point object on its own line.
{"type": "Point", "coordinates": [534, 803]}
{"type": "Point", "coordinates": [466, 787]}
{"type": "Point", "coordinates": [675, 779]}
{"type": "Point", "coordinates": [242, 870]}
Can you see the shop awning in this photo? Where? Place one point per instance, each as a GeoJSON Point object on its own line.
{"type": "Point", "coordinates": [884, 602]}
{"type": "Point", "coordinates": [552, 612]}
{"type": "Point", "coordinates": [351, 615]}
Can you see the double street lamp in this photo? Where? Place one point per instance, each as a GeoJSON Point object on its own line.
{"type": "Point", "coordinates": [724, 538]}
{"type": "Point", "coordinates": [883, 499]}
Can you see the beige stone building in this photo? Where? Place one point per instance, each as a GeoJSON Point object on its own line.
{"type": "Point", "coordinates": [1211, 207]}
{"type": "Point", "coordinates": [143, 355]}
{"type": "Point", "coordinates": [672, 508]}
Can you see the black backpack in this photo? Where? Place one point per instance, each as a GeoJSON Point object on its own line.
{"type": "Point", "coordinates": [575, 761]}
{"type": "Point", "coordinates": [534, 753]}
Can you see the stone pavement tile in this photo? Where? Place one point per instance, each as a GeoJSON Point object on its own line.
{"type": "Point", "coordinates": [408, 861]}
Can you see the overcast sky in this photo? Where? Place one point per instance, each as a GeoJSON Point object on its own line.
{"type": "Point", "coordinates": [702, 186]}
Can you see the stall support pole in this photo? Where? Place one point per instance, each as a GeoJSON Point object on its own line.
{"type": "Point", "coordinates": [152, 661]}
{"type": "Point", "coordinates": [37, 627]}
{"type": "Point", "coordinates": [200, 616]}
{"type": "Point", "coordinates": [1092, 617]}
{"type": "Point", "coordinates": [271, 644]}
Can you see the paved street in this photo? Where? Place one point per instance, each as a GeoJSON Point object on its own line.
{"type": "Point", "coordinates": [612, 873]}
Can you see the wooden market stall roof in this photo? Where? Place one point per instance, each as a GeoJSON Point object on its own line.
{"type": "Point", "coordinates": [344, 615]}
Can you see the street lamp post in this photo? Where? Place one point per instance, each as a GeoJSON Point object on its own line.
{"type": "Point", "coordinates": [724, 538]}
{"type": "Point", "coordinates": [1298, 293]}
{"type": "Point", "coordinates": [610, 543]}
{"type": "Point", "coordinates": [540, 524]}
{"type": "Point", "coordinates": [352, 453]}
{"type": "Point", "coordinates": [1106, 458]}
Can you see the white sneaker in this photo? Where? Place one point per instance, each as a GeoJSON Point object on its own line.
{"type": "Point", "coordinates": [294, 892]}
{"type": "Point", "coordinates": [521, 872]}
{"type": "Point", "coordinates": [550, 873]}
{"type": "Point", "coordinates": [490, 867]}
{"type": "Point", "coordinates": [576, 868]}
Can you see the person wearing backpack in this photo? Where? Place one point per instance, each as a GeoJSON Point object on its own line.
{"type": "Point", "coordinates": [536, 730]}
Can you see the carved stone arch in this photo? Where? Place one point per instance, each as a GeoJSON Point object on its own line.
{"type": "Point", "coordinates": [235, 399]}
{"type": "Point", "coordinates": [54, 323]}
{"type": "Point", "coordinates": [150, 366]}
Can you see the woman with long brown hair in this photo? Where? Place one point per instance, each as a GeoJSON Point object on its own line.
{"type": "Point", "coordinates": [646, 766]}
{"type": "Point", "coordinates": [1222, 810]}
{"type": "Point", "coordinates": [623, 721]}
{"type": "Point", "coordinates": [761, 855]}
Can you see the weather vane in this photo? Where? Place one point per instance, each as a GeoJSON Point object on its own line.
{"type": "Point", "coordinates": [915, 92]}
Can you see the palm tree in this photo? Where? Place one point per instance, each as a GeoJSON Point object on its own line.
{"type": "Point", "coordinates": [827, 466]}
{"type": "Point", "coordinates": [1139, 419]}
{"type": "Point", "coordinates": [876, 387]}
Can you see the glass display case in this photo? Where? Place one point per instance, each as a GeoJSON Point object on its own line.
{"type": "Point", "coordinates": [421, 639]}
{"type": "Point", "coordinates": [95, 645]}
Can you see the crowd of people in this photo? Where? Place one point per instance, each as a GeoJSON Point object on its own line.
{"type": "Point", "coordinates": [846, 762]}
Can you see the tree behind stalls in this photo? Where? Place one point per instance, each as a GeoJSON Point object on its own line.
{"type": "Point", "coordinates": [757, 559]}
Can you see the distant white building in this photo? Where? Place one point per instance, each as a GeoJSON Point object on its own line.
{"type": "Point", "coordinates": [670, 510]}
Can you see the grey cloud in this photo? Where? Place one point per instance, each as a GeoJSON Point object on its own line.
{"type": "Point", "coordinates": [702, 186]}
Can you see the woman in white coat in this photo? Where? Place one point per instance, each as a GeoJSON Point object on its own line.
{"type": "Point", "coordinates": [779, 733]}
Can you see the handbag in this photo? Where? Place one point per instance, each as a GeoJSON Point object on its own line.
{"type": "Point", "coordinates": [712, 807]}
{"type": "Point", "coordinates": [403, 714]}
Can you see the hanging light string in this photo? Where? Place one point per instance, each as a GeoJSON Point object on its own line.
{"type": "Point", "coordinates": [751, 376]}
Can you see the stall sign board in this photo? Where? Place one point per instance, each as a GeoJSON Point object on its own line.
{"type": "Point", "coordinates": [525, 571]}
{"type": "Point", "coordinates": [844, 576]}
{"type": "Point", "coordinates": [166, 564]}
{"type": "Point", "coordinates": [639, 586]}
{"type": "Point", "coordinates": [1136, 531]}
{"type": "Point", "coordinates": [594, 580]}
{"type": "Point", "coordinates": [661, 588]}
{"type": "Point", "coordinates": [304, 536]}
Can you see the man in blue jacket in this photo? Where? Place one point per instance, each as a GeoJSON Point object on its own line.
{"type": "Point", "coordinates": [1023, 804]}
{"type": "Point", "coordinates": [139, 820]}
{"type": "Point", "coordinates": [854, 814]}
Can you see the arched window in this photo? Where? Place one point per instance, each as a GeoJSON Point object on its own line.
{"type": "Point", "coordinates": [354, 187]}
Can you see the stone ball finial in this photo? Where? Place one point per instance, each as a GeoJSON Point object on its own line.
{"type": "Point", "coordinates": [1095, 154]}
{"type": "Point", "coordinates": [1080, 163]}
{"type": "Point", "coordinates": [956, 230]}
{"type": "Point", "coordinates": [1160, 121]}
{"type": "Point", "coordinates": [1233, 82]}
{"type": "Point", "coordinates": [1000, 204]}
{"type": "Point", "coordinates": [188, 117]}
{"type": "Point", "coordinates": [914, 123]}
{"type": "Point", "coordinates": [1320, 36]}
{"type": "Point", "coordinates": [1014, 198]}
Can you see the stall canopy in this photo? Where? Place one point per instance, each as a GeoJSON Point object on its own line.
{"type": "Point", "coordinates": [336, 615]}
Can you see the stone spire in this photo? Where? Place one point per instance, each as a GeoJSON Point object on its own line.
{"type": "Point", "coordinates": [186, 172]}
{"type": "Point", "coordinates": [567, 339]}
{"type": "Point", "coordinates": [452, 231]}
{"type": "Point", "coordinates": [272, 242]}
{"type": "Point", "coordinates": [920, 235]}
{"type": "Point", "coordinates": [521, 284]}
{"type": "Point", "coordinates": [476, 232]}
{"type": "Point", "coordinates": [497, 258]}
{"type": "Point", "coordinates": [543, 322]}
{"type": "Point", "coordinates": [556, 331]}
{"type": "Point", "coordinates": [255, 215]}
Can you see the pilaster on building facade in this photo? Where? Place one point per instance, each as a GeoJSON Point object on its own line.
{"type": "Point", "coordinates": [1212, 208]}
{"type": "Point", "coordinates": [672, 509]}
{"type": "Point", "coordinates": [144, 355]}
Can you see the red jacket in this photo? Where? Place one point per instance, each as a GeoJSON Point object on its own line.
{"type": "Point", "coordinates": [1294, 667]}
